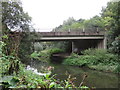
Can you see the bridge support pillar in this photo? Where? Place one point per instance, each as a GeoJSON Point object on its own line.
{"type": "Point", "coordinates": [73, 47]}
{"type": "Point", "coordinates": [102, 44]}
{"type": "Point", "coordinates": [105, 42]}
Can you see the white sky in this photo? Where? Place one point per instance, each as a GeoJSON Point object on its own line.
{"type": "Point", "coordinates": [48, 14]}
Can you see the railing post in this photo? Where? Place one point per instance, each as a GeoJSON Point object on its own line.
{"type": "Point", "coordinates": [83, 29]}
{"type": "Point", "coordinates": [97, 30]}
{"type": "Point", "coordinates": [69, 30]}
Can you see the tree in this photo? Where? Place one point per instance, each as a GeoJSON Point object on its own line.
{"type": "Point", "coordinates": [94, 23]}
{"type": "Point", "coordinates": [111, 16]}
{"type": "Point", "coordinates": [13, 16]}
{"type": "Point", "coordinates": [15, 19]}
{"type": "Point", "coordinates": [66, 24]}
{"type": "Point", "coordinates": [69, 21]}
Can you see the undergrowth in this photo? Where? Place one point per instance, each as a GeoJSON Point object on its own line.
{"type": "Point", "coordinates": [45, 55]}
{"type": "Point", "coordinates": [96, 59]}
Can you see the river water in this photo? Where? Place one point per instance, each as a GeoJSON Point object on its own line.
{"type": "Point", "coordinates": [94, 78]}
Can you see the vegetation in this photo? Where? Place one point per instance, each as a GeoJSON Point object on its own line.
{"type": "Point", "coordinates": [55, 50]}
{"type": "Point", "coordinates": [95, 59]}
{"type": "Point", "coordinates": [108, 21]}
{"type": "Point", "coordinates": [22, 78]}
{"type": "Point", "coordinates": [14, 50]}
{"type": "Point", "coordinates": [45, 55]}
{"type": "Point", "coordinates": [62, 45]}
{"type": "Point", "coordinates": [15, 19]}
{"type": "Point", "coordinates": [98, 59]}
{"type": "Point", "coordinates": [111, 14]}
{"type": "Point", "coordinates": [90, 24]}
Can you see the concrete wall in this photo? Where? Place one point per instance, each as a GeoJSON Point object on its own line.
{"type": "Point", "coordinates": [81, 45]}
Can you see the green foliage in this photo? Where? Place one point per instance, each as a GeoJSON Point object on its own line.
{"type": "Point", "coordinates": [91, 51]}
{"type": "Point", "coordinates": [34, 55]}
{"type": "Point", "coordinates": [95, 22]}
{"type": "Point", "coordinates": [85, 87]}
{"type": "Point", "coordinates": [111, 14]}
{"type": "Point", "coordinates": [9, 63]}
{"type": "Point", "coordinates": [28, 79]}
{"type": "Point", "coordinates": [25, 78]}
{"type": "Point", "coordinates": [72, 24]}
{"type": "Point", "coordinates": [94, 57]}
{"type": "Point", "coordinates": [116, 45]}
{"type": "Point", "coordinates": [117, 68]}
{"type": "Point", "coordinates": [101, 56]}
{"type": "Point", "coordinates": [64, 45]}
{"type": "Point", "coordinates": [14, 18]}
{"type": "Point", "coordinates": [55, 50]}
{"type": "Point", "coordinates": [42, 55]}
{"type": "Point", "coordinates": [45, 55]}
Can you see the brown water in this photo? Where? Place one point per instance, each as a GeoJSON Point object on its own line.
{"type": "Point", "coordinates": [94, 78]}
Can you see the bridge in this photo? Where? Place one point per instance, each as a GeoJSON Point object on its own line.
{"type": "Point", "coordinates": [58, 36]}
{"type": "Point", "coordinates": [79, 39]}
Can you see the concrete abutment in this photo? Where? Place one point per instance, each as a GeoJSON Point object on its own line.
{"type": "Point", "coordinates": [80, 45]}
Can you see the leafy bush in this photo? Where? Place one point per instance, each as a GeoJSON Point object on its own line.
{"type": "Point", "coordinates": [94, 57]}
{"type": "Point", "coordinates": [41, 56]}
{"type": "Point", "coordinates": [80, 61]}
{"type": "Point", "coordinates": [45, 54]}
{"type": "Point", "coordinates": [55, 50]}
{"type": "Point", "coordinates": [117, 68]}
{"type": "Point", "coordinates": [92, 51]}
{"type": "Point", "coordinates": [28, 79]}
{"type": "Point", "coordinates": [116, 45]}
{"type": "Point", "coordinates": [101, 56]}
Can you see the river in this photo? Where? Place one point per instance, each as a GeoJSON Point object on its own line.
{"type": "Point", "coordinates": [94, 78]}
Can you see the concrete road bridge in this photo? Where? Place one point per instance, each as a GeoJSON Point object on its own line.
{"type": "Point", "coordinates": [79, 40]}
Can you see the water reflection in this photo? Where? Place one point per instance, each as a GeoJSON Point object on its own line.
{"type": "Point", "coordinates": [95, 78]}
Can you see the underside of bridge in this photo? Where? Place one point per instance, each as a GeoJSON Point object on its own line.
{"type": "Point", "coordinates": [76, 46]}
{"type": "Point", "coordinates": [78, 41]}
{"type": "Point", "coordinates": [80, 45]}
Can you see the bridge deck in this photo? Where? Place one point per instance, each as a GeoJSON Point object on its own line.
{"type": "Point", "coordinates": [59, 36]}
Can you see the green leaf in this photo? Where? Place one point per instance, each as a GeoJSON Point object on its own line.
{"type": "Point", "coordinates": [52, 84]}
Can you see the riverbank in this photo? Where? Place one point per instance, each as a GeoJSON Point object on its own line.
{"type": "Point", "coordinates": [94, 78]}
{"type": "Point", "coordinates": [29, 77]}
{"type": "Point", "coordinates": [98, 59]}
{"type": "Point", "coordinates": [95, 59]}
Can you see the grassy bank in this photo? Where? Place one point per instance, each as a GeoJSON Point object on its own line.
{"type": "Point", "coordinates": [95, 59]}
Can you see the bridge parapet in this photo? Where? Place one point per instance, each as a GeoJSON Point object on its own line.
{"type": "Point", "coordinates": [72, 33]}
